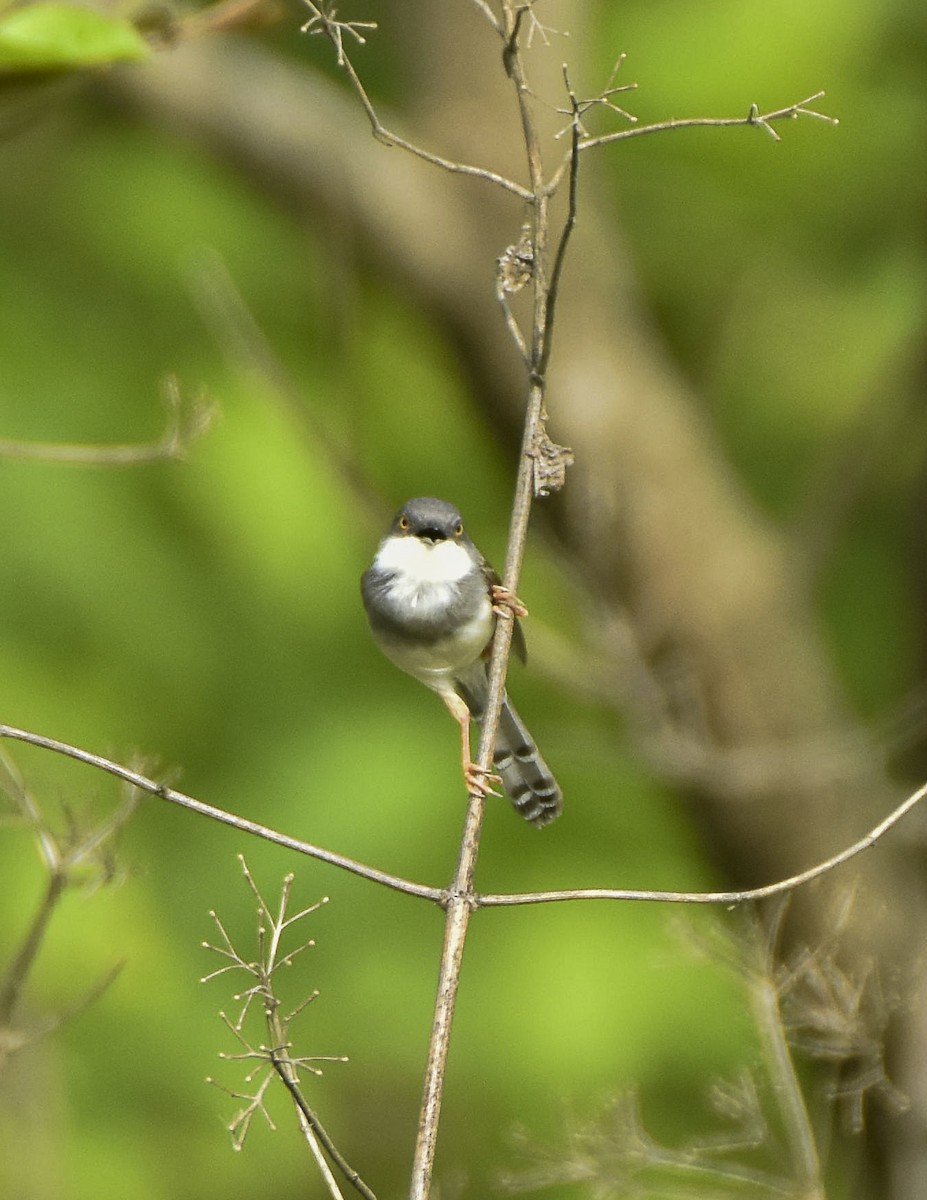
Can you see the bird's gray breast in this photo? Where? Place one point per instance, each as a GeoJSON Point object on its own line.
{"type": "Point", "coordinates": [429, 607]}
{"type": "Point", "coordinates": [424, 610]}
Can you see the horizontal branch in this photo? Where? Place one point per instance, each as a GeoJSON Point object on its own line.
{"type": "Point", "coordinates": [741, 897]}
{"type": "Point", "coordinates": [753, 117]}
{"type": "Point", "coordinates": [186, 421]}
{"type": "Point", "coordinates": [396, 882]}
{"type": "Point", "coordinates": [440, 895]}
{"type": "Point", "coordinates": [129, 454]}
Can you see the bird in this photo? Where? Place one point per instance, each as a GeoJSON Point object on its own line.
{"type": "Point", "coordinates": [432, 603]}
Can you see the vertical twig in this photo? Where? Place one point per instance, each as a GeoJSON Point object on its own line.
{"type": "Point", "coordinates": [60, 861]}
{"type": "Point", "coordinates": [270, 931]}
{"type": "Point", "coordinates": [21, 965]}
{"type": "Point", "coordinates": [570, 223]}
{"type": "Point", "coordinates": [460, 903]}
{"type": "Point", "coordinates": [786, 1088]}
{"type": "Point", "coordinates": [459, 908]}
{"type": "Point", "coordinates": [287, 1073]}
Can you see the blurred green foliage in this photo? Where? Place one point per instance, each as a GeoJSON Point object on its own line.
{"type": "Point", "coordinates": [205, 613]}
{"type": "Point", "coordinates": [61, 37]}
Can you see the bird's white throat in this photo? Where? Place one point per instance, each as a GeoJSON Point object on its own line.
{"type": "Point", "coordinates": [417, 563]}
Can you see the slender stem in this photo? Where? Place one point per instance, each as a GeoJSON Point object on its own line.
{"type": "Point", "coordinates": [287, 1073]}
{"type": "Point", "coordinates": [311, 1124]}
{"type": "Point", "coordinates": [568, 227]}
{"type": "Point", "coordinates": [460, 903]}
{"type": "Point", "coordinates": [477, 900]}
{"type": "Point", "coordinates": [396, 882]}
{"type": "Point", "coordinates": [622, 135]}
{"type": "Point", "coordinates": [753, 117]}
{"type": "Point", "coordinates": [785, 1086]}
{"type": "Point", "coordinates": [181, 429]}
{"type": "Point", "coordinates": [459, 910]}
{"type": "Point", "coordinates": [21, 965]}
{"type": "Point", "coordinates": [332, 29]}
{"type": "Point", "coordinates": [75, 454]}
{"type": "Point", "coordinates": [488, 14]}
{"type": "Point", "coordinates": [741, 897]}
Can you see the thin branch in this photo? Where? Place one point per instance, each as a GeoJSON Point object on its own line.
{"type": "Point", "coordinates": [579, 108]}
{"type": "Point", "coordinates": [488, 13]}
{"type": "Point", "coordinates": [753, 117]}
{"type": "Point", "coordinates": [15, 978]}
{"type": "Point", "coordinates": [460, 899]}
{"type": "Point", "coordinates": [322, 22]}
{"type": "Point", "coordinates": [410, 888]}
{"type": "Point", "coordinates": [61, 859]}
{"type": "Point", "coordinates": [569, 224]}
{"type": "Point", "coordinates": [783, 1080]}
{"type": "Point", "coordinates": [459, 911]}
{"type": "Point", "coordinates": [514, 271]}
{"type": "Point", "coordinates": [510, 321]}
{"type": "Point", "coordinates": [184, 426]}
{"type": "Point", "coordinates": [281, 1066]}
{"type": "Point", "coordinates": [441, 896]}
{"type": "Point", "coordinates": [729, 898]}
{"type": "Point", "coordinates": [276, 1055]}
{"type": "Point", "coordinates": [76, 454]}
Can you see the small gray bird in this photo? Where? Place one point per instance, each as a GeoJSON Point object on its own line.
{"type": "Point", "coordinates": [432, 601]}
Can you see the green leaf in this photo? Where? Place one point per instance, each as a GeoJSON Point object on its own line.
{"type": "Point", "coordinates": [55, 37]}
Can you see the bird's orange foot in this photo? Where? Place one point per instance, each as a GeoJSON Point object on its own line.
{"type": "Point", "coordinates": [505, 602]}
{"type": "Point", "coordinates": [479, 781]}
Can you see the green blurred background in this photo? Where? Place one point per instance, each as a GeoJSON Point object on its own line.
{"type": "Point", "coordinates": [205, 614]}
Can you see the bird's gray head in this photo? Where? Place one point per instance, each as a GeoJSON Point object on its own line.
{"type": "Point", "coordinates": [430, 520]}
{"type": "Point", "coordinates": [427, 566]}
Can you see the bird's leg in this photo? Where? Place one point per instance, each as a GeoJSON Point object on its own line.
{"type": "Point", "coordinates": [477, 778]}
{"type": "Point", "coordinates": [505, 603]}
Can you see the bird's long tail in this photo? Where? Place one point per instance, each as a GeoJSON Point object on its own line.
{"type": "Point", "coordinates": [526, 777]}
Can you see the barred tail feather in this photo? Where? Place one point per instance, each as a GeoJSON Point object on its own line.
{"type": "Point", "coordinates": [526, 777]}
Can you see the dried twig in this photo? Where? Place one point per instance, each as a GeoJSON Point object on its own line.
{"type": "Point", "coordinates": [65, 857]}
{"type": "Point", "coordinates": [323, 21]}
{"type": "Point", "coordinates": [754, 117]}
{"type": "Point", "coordinates": [274, 1059]}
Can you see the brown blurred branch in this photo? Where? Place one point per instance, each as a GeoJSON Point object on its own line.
{"type": "Point", "coordinates": [66, 859]}
{"type": "Point", "coordinates": [18, 971]}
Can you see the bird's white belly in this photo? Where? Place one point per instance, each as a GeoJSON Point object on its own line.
{"type": "Point", "coordinates": [436, 663]}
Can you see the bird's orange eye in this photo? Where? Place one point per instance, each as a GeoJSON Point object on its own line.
{"type": "Point", "coordinates": [458, 529]}
{"type": "Point", "coordinates": [404, 522]}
